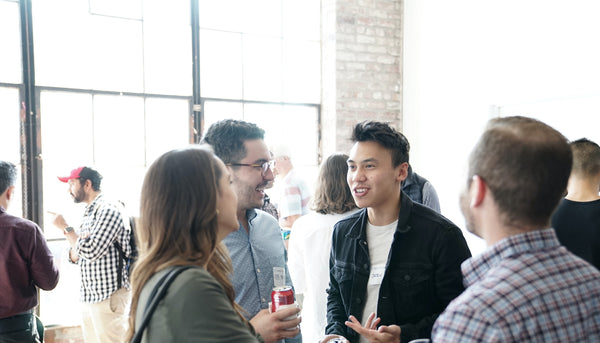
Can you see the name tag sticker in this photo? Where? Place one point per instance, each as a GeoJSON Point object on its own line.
{"type": "Point", "coordinates": [278, 276]}
{"type": "Point", "coordinates": [376, 276]}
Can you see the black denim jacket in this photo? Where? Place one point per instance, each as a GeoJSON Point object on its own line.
{"type": "Point", "coordinates": [422, 274]}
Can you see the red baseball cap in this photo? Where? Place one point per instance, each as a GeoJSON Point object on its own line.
{"type": "Point", "coordinates": [74, 175]}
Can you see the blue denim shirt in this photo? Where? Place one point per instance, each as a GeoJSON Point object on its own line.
{"type": "Point", "coordinates": [254, 254]}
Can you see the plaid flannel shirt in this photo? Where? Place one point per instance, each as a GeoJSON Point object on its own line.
{"type": "Point", "coordinates": [103, 223]}
{"type": "Point", "coordinates": [525, 288]}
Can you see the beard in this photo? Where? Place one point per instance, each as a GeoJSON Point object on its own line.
{"type": "Point", "coordinates": [79, 197]}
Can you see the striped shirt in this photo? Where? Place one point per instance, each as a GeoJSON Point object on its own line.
{"type": "Point", "coordinates": [525, 288]}
{"type": "Point", "coordinates": [103, 223]}
{"type": "Point", "coordinates": [295, 196]}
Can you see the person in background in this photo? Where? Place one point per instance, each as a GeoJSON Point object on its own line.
{"type": "Point", "coordinates": [26, 264]}
{"type": "Point", "coordinates": [310, 245]}
{"type": "Point", "coordinates": [256, 247]}
{"type": "Point", "coordinates": [188, 206]}
{"type": "Point", "coordinates": [577, 218]}
{"type": "Point", "coordinates": [420, 190]}
{"type": "Point", "coordinates": [98, 247]}
{"type": "Point", "coordinates": [525, 287]}
{"type": "Point", "coordinates": [268, 205]}
{"type": "Point", "coordinates": [295, 194]}
{"type": "Point", "coordinates": [395, 259]}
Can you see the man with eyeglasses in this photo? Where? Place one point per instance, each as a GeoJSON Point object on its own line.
{"type": "Point", "coordinates": [256, 248]}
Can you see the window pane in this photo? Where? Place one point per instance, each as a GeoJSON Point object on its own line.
{"type": "Point", "coordinates": [11, 125]}
{"type": "Point", "coordinates": [263, 17]}
{"type": "Point", "coordinates": [301, 19]}
{"type": "Point", "coordinates": [219, 110]}
{"type": "Point", "coordinates": [63, 48]}
{"type": "Point", "coordinates": [117, 61]}
{"type": "Point", "coordinates": [117, 8]}
{"type": "Point", "coordinates": [10, 142]}
{"type": "Point", "coordinates": [67, 141]}
{"type": "Point", "coordinates": [10, 43]}
{"type": "Point", "coordinates": [167, 126]}
{"type": "Point", "coordinates": [302, 71]}
{"type": "Point", "coordinates": [268, 117]}
{"type": "Point", "coordinates": [262, 68]}
{"type": "Point", "coordinates": [119, 130]}
{"type": "Point", "coordinates": [173, 12]}
{"type": "Point", "coordinates": [225, 15]}
{"type": "Point", "coordinates": [168, 56]}
{"type": "Point", "coordinates": [221, 64]}
{"type": "Point", "coordinates": [61, 305]}
{"type": "Point", "coordinates": [300, 123]}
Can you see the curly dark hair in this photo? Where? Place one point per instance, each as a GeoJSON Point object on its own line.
{"type": "Point", "coordinates": [227, 138]}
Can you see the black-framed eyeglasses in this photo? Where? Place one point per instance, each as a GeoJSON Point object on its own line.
{"type": "Point", "coordinates": [263, 167]}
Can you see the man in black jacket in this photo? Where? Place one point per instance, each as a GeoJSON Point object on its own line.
{"type": "Point", "coordinates": [395, 259]}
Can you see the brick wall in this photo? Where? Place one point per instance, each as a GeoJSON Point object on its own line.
{"type": "Point", "coordinates": [362, 57]}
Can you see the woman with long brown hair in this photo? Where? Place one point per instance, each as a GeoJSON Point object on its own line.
{"type": "Point", "coordinates": [187, 208]}
{"type": "Point", "coordinates": [310, 243]}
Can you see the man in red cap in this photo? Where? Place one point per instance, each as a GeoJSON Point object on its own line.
{"type": "Point", "coordinates": [99, 247]}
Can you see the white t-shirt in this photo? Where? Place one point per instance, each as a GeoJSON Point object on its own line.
{"type": "Point", "coordinates": [379, 241]}
{"type": "Point", "coordinates": [308, 263]}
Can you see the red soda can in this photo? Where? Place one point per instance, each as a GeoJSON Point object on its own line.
{"type": "Point", "coordinates": [280, 296]}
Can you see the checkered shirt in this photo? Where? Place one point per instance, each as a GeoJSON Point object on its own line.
{"type": "Point", "coordinates": [105, 223]}
{"type": "Point", "coordinates": [525, 288]}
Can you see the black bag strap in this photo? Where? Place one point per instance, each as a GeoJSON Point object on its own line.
{"type": "Point", "coordinates": [158, 292]}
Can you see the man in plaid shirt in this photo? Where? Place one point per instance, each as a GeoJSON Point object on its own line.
{"type": "Point", "coordinates": [525, 287]}
{"type": "Point", "coordinates": [95, 248]}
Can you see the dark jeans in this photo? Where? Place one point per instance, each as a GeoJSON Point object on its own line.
{"type": "Point", "coordinates": [22, 328]}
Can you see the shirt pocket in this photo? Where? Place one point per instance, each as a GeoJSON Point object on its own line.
{"type": "Point", "coordinates": [413, 287]}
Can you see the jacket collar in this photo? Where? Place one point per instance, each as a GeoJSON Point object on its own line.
{"type": "Point", "coordinates": [359, 227]}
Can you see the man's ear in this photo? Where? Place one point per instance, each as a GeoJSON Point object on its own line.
{"type": "Point", "coordinates": [402, 171]}
{"type": "Point", "coordinates": [88, 185]}
{"type": "Point", "coordinates": [477, 189]}
{"type": "Point", "coordinates": [9, 192]}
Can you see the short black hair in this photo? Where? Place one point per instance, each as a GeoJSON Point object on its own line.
{"type": "Point", "coordinates": [227, 138]}
{"type": "Point", "coordinates": [586, 158]}
{"type": "Point", "coordinates": [386, 136]}
{"type": "Point", "coordinates": [88, 173]}
{"type": "Point", "coordinates": [8, 175]}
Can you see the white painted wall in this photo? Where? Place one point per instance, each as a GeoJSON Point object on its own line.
{"type": "Point", "coordinates": [468, 60]}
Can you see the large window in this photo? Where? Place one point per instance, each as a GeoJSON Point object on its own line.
{"type": "Point", "coordinates": [260, 62]}
{"type": "Point", "coordinates": [114, 87]}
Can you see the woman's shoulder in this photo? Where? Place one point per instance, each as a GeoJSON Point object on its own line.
{"type": "Point", "coordinates": [195, 280]}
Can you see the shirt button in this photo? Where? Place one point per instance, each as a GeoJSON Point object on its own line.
{"type": "Point", "coordinates": [407, 277]}
{"type": "Point", "coordinates": [257, 270]}
{"type": "Point", "coordinates": [358, 301]}
{"type": "Point", "coordinates": [263, 300]}
{"type": "Point", "coordinates": [366, 266]}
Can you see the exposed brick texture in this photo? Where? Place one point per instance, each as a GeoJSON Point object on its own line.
{"type": "Point", "coordinates": [362, 57]}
